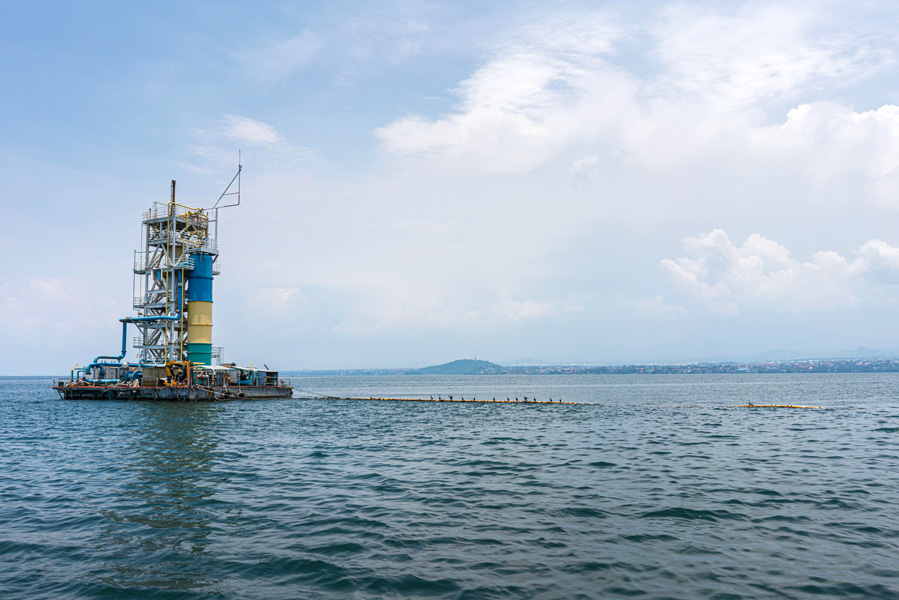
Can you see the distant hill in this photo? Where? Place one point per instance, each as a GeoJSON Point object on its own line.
{"type": "Point", "coordinates": [775, 355]}
{"type": "Point", "coordinates": [461, 367]}
{"type": "Point", "coordinates": [864, 352]}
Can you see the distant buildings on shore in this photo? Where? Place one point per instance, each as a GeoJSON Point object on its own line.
{"type": "Point", "coordinates": [833, 365]}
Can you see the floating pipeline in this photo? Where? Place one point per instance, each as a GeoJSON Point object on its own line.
{"type": "Point", "coordinates": [495, 401]}
{"type": "Point", "coordinates": [461, 400]}
{"type": "Point", "coordinates": [776, 406]}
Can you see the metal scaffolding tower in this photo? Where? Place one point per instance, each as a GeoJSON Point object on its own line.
{"type": "Point", "coordinates": [173, 237]}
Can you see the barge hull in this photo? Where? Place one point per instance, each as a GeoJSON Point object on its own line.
{"type": "Point", "coordinates": [172, 393]}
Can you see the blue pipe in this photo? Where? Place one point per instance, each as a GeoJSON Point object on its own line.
{"type": "Point", "coordinates": [125, 322]}
{"type": "Point", "coordinates": [124, 337]}
{"type": "Point", "coordinates": [145, 319]}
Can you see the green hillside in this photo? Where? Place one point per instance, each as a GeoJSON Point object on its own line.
{"type": "Point", "coordinates": [461, 367]}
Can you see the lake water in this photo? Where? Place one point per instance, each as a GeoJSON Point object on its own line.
{"type": "Point", "coordinates": [658, 488]}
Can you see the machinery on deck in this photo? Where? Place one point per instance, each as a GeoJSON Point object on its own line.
{"type": "Point", "coordinates": [173, 276]}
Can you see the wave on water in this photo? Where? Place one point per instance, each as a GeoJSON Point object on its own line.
{"type": "Point", "coordinates": [658, 488]}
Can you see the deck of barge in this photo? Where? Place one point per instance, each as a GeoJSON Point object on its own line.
{"type": "Point", "coordinates": [192, 393]}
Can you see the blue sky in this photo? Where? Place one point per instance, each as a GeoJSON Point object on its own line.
{"type": "Point", "coordinates": [569, 181]}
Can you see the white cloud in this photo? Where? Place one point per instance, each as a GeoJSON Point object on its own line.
{"type": "Point", "coordinates": [879, 262]}
{"type": "Point", "coordinates": [567, 90]}
{"type": "Point", "coordinates": [727, 277]}
{"type": "Point", "coordinates": [520, 109]}
{"type": "Point", "coordinates": [827, 142]}
{"type": "Point", "coordinates": [250, 131]}
{"type": "Point", "coordinates": [216, 146]}
{"type": "Point", "coordinates": [646, 117]}
{"type": "Point", "coordinates": [756, 54]}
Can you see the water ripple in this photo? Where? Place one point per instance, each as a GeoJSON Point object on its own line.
{"type": "Point", "coordinates": [659, 490]}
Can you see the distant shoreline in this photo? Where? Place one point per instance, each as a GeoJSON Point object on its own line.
{"type": "Point", "coordinates": [817, 365]}
{"type": "Point", "coordinates": [854, 365]}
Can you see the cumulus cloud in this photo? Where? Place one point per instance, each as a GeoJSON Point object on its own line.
{"type": "Point", "coordinates": [721, 85]}
{"type": "Point", "coordinates": [879, 262]}
{"type": "Point", "coordinates": [655, 112]}
{"type": "Point", "coordinates": [726, 276]}
{"type": "Point", "coordinates": [547, 86]}
{"type": "Point", "coordinates": [249, 131]}
{"type": "Point", "coordinates": [826, 141]}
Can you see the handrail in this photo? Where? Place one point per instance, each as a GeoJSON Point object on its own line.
{"type": "Point", "coordinates": [163, 211]}
{"type": "Point", "coordinates": [186, 262]}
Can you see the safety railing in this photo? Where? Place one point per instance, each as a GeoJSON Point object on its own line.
{"type": "Point", "coordinates": [142, 263]}
{"type": "Point", "coordinates": [189, 242]}
{"type": "Point", "coordinates": [179, 211]}
{"type": "Point", "coordinates": [156, 295]}
{"type": "Point", "coordinates": [186, 262]}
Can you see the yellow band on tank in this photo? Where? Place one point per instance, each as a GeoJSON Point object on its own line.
{"type": "Point", "coordinates": [199, 313]}
{"type": "Point", "coordinates": [199, 334]}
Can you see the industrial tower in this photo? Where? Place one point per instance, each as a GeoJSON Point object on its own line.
{"type": "Point", "coordinates": [173, 282]}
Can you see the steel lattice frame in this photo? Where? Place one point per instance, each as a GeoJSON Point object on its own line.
{"type": "Point", "coordinates": [170, 234]}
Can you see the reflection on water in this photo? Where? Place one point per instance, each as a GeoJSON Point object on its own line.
{"type": "Point", "coordinates": [164, 506]}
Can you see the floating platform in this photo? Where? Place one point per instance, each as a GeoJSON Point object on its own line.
{"type": "Point", "coordinates": [172, 393]}
{"type": "Point", "coordinates": [173, 276]}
